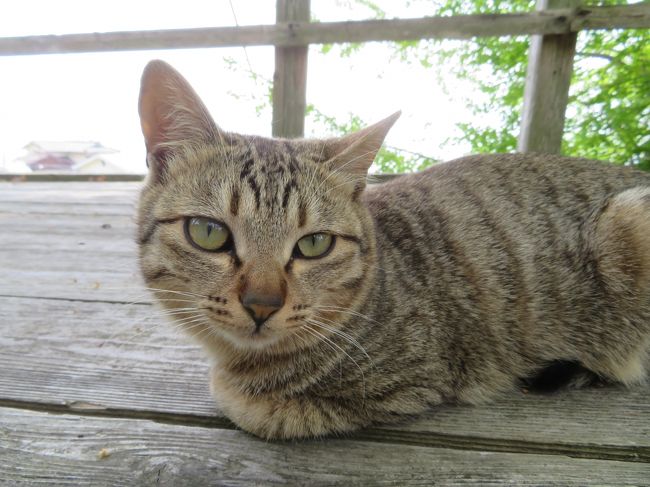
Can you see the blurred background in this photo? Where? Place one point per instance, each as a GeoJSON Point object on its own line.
{"type": "Point", "coordinates": [78, 112]}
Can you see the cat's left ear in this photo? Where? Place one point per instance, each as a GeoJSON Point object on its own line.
{"type": "Point", "coordinates": [171, 115]}
{"type": "Point", "coordinates": [353, 154]}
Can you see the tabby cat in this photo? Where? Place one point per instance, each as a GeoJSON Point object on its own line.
{"type": "Point", "coordinates": [327, 305]}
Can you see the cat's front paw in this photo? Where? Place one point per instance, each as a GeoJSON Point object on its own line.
{"type": "Point", "coordinates": [274, 416]}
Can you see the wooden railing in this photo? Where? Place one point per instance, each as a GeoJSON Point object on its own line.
{"type": "Point", "coordinates": [553, 28]}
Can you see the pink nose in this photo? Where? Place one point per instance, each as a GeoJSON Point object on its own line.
{"type": "Point", "coordinates": [261, 306]}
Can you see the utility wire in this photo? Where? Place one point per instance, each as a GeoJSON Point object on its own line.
{"type": "Point", "coordinates": [248, 61]}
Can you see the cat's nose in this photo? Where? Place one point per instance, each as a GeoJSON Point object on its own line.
{"type": "Point", "coordinates": [261, 306]}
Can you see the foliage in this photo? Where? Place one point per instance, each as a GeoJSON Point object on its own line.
{"type": "Point", "coordinates": [389, 159]}
{"type": "Point", "coordinates": [609, 104]}
{"type": "Point", "coordinates": [608, 116]}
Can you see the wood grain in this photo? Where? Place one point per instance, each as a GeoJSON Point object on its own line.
{"type": "Point", "coordinates": [89, 363]}
{"type": "Point", "coordinates": [37, 448]}
{"type": "Point", "coordinates": [302, 33]}
{"type": "Point", "coordinates": [290, 75]}
{"type": "Point", "coordinates": [120, 356]}
{"type": "Point", "coordinates": [550, 66]}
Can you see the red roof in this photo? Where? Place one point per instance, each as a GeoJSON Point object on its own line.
{"type": "Point", "coordinates": [51, 163]}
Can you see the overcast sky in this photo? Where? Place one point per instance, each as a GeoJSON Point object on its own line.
{"type": "Point", "coordinates": [94, 96]}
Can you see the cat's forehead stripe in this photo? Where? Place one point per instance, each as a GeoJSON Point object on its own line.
{"type": "Point", "coordinates": [234, 202]}
{"type": "Point", "coordinates": [269, 171]}
{"type": "Point", "coordinates": [302, 214]}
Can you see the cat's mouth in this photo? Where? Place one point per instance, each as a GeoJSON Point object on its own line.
{"type": "Point", "coordinates": [250, 335]}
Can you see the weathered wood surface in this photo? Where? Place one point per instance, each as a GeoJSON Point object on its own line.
{"type": "Point", "coordinates": [548, 78]}
{"type": "Point", "coordinates": [636, 16]}
{"type": "Point", "coordinates": [290, 76]}
{"type": "Point", "coordinates": [67, 450]}
{"type": "Point", "coordinates": [116, 356]}
{"type": "Point", "coordinates": [79, 339]}
{"type": "Point", "coordinates": [63, 176]}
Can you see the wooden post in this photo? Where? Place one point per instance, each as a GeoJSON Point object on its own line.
{"type": "Point", "coordinates": [290, 77]}
{"type": "Point", "coordinates": [550, 65]}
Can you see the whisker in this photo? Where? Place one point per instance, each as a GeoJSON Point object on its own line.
{"type": "Point", "coordinates": [347, 311]}
{"type": "Point", "coordinates": [337, 347]}
{"type": "Point", "coordinates": [349, 338]}
{"type": "Point", "coordinates": [182, 293]}
{"type": "Point", "coordinates": [163, 315]}
{"type": "Point", "coordinates": [342, 166]}
{"type": "Point", "coordinates": [185, 314]}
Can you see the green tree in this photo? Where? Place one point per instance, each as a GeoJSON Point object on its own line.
{"type": "Point", "coordinates": [389, 159]}
{"type": "Point", "coordinates": [608, 116]}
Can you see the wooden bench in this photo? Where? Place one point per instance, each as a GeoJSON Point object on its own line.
{"type": "Point", "coordinates": [96, 388]}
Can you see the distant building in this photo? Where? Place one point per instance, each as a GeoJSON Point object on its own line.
{"type": "Point", "coordinates": [69, 156]}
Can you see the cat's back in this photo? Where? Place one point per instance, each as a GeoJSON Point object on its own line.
{"type": "Point", "coordinates": [502, 261]}
{"type": "Point", "coordinates": [520, 192]}
{"type": "Point", "coordinates": [525, 181]}
{"type": "Point", "coordinates": [509, 231]}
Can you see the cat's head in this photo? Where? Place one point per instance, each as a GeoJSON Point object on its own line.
{"type": "Point", "coordinates": [251, 242]}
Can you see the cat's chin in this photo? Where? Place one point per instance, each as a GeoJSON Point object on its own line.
{"type": "Point", "coordinates": [246, 339]}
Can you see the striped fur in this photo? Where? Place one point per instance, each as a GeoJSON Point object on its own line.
{"type": "Point", "coordinates": [448, 285]}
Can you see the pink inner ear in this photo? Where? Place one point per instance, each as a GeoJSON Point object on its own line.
{"type": "Point", "coordinates": [161, 157]}
{"type": "Point", "coordinates": [150, 138]}
{"type": "Point", "coordinates": [170, 110]}
{"type": "Point", "coordinates": [354, 153]}
{"type": "Point", "coordinates": [155, 97]}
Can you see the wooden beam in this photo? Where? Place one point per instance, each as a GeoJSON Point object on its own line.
{"type": "Point", "coordinates": [635, 16]}
{"type": "Point", "coordinates": [290, 76]}
{"type": "Point", "coordinates": [559, 21]}
{"type": "Point", "coordinates": [550, 66]}
{"type": "Point", "coordinates": [44, 447]}
{"type": "Point", "coordinates": [71, 177]}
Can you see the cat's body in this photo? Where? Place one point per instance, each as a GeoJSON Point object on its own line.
{"type": "Point", "coordinates": [447, 285]}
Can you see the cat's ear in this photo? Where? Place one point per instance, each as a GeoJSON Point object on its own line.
{"type": "Point", "coordinates": [171, 114]}
{"type": "Point", "coordinates": [353, 154]}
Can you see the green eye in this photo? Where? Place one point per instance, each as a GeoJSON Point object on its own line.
{"type": "Point", "coordinates": [207, 234]}
{"type": "Point", "coordinates": [314, 245]}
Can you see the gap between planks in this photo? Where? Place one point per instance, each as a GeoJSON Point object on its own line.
{"type": "Point", "coordinates": [386, 435]}
{"type": "Point", "coordinates": [80, 300]}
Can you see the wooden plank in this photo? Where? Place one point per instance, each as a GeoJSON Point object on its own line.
{"type": "Point", "coordinates": [296, 34]}
{"type": "Point", "coordinates": [634, 16]}
{"type": "Point", "coordinates": [112, 358]}
{"type": "Point", "coordinates": [113, 193]}
{"type": "Point", "coordinates": [69, 240]}
{"type": "Point", "coordinates": [41, 177]}
{"type": "Point", "coordinates": [92, 209]}
{"type": "Point", "coordinates": [70, 198]}
{"type": "Point", "coordinates": [550, 66]}
{"type": "Point", "coordinates": [290, 76]}
{"type": "Point", "coordinates": [113, 355]}
{"type": "Point", "coordinates": [62, 190]}
{"type": "Point", "coordinates": [79, 233]}
{"type": "Point", "coordinates": [127, 357]}
{"type": "Point", "coordinates": [37, 449]}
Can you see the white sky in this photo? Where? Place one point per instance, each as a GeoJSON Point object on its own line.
{"type": "Point", "coordinates": [94, 96]}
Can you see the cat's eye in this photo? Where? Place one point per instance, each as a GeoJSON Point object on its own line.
{"type": "Point", "coordinates": [207, 234]}
{"type": "Point", "coordinates": [314, 245]}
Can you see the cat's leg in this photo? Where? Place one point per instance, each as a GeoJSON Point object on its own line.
{"type": "Point", "coordinates": [304, 415]}
{"type": "Point", "coordinates": [277, 416]}
{"type": "Point", "coordinates": [560, 374]}
{"type": "Point", "coordinates": [622, 250]}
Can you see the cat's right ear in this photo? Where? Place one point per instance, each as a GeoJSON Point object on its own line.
{"type": "Point", "coordinates": [171, 115]}
{"type": "Point", "coordinates": [353, 154]}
